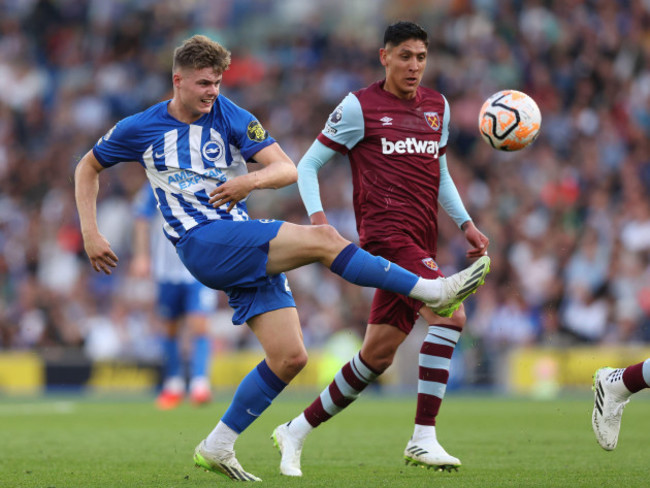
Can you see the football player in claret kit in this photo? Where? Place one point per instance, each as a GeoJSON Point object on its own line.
{"type": "Point", "coordinates": [194, 149]}
{"type": "Point", "coordinates": [395, 135]}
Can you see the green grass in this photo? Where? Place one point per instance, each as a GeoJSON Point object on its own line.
{"type": "Point", "coordinates": [77, 442]}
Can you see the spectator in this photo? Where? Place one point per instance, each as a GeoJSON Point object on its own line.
{"type": "Point", "coordinates": [60, 63]}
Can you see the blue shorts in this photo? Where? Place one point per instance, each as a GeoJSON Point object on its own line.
{"type": "Point", "coordinates": [232, 256]}
{"type": "Point", "coordinates": [178, 299]}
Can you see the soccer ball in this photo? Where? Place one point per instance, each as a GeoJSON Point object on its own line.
{"type": "Point", "coordinates": [509, 120]}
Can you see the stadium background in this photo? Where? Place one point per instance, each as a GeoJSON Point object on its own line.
{"type": "Point", "coordinates": [568, 218]}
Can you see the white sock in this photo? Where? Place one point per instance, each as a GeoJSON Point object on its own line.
{"type": "Point", "coordinates": [615, 381]}
{"type": "Point", "coordinates": [222, 438]}
{"type": "Point", "coordinates": [201, 382]}
{"type": "Point", "coordinates": [299, 427]}
{"type": "Point", "coordinates": [175, 384]}
{"type": "Point", "coordinates": [423, 432]}
{"type": "Point", "coordinates": [426, 290]}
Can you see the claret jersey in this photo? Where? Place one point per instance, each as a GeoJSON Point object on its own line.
{"type": "Point", "coordinates": [393, 146]}
{"type": "Point", "coordinates": [185, 162]}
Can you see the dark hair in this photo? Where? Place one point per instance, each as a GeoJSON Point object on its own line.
{"type": "Point", "coordinates": [200, 52]}
{"type": "Point", "coordinates": [403, 30]}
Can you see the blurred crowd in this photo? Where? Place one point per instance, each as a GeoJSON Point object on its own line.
{"type": "Point", "coordinates": [568, 217]}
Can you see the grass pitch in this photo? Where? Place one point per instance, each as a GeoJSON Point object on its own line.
{"type": "Point", "coordinates": [85, 442]}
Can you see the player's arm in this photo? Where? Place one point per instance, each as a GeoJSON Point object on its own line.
{"type": "Point", "coordinates": [343, 130]}
{"type": "Point", "coordinates": [450, 201]}
{"type": "Point", "coordinates": [312, 161]}
{"type": "Point", "coordinates": [98, 249]}
{"type": "Point", "coordinates": [278, 171]}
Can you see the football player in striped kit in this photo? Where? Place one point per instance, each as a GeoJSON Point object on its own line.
{"type": "Point", "coordinates": [395, 133]}
{"type": "Point", "coordinates": [181, 302]}
{"type": "Point", "coordinates": [194, 149]}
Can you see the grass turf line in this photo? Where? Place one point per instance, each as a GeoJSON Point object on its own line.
{"type": "Point", "coordinates": [501, 442]}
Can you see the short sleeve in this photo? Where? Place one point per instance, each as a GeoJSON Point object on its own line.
{"type": "Point", "coordinates": [119, 144]}
{"type": "Point", "coordinates": [246, 132]}
{"type": "Point", "coordinates": [444, 136]}
{"type": "Point", "coordinates": [345, 126]}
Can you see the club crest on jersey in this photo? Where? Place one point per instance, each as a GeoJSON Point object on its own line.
{"type": "Point", "coordinates": [213, 150]}
{"type": "Point", "coordinates": [432, 119]}
{"type": "Point", "coordinates": [256, 132]}
{"type": "Point", "coordinates": [430, 263]}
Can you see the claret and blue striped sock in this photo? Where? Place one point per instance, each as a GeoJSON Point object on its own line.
{"type": "Point", "coordinates": [637, 376]}
{"type": "Point", "coordinates": [434, 361]}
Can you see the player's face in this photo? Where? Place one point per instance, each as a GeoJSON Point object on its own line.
{"type": "Point", "coordinates": [195, 91]}
{"type": "Point", "coordinates": [405, 64]}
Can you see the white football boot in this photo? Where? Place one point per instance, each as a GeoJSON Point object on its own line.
{"type": "Point", "coordinates": [428, 453]}
{"type": "Point", "coordinates": [610, 399]}
{"type": "Point", "coordinates": [221, 462]}
{"type": "Point", "coordinates": [290, 448]}
{"type": "Point", "coordinates": [459, 286]}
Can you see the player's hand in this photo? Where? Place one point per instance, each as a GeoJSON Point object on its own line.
{"type": "Point", "coordinates": [101, 256]}
{"type": "Point", "coordinates": [477, 240]}
{"type": "Point", "coordinates": [318, 218]}
{"type": "Point", "coordinates": [231, 192]}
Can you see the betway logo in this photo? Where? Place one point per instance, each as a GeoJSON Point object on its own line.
{"type": "Point", "coordinates": [410, 145]}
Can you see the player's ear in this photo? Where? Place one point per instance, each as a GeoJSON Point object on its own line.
{"type": "Point", "coordinates": [176, 79]}
{"type": "Point", "coordinates": [383, 54]}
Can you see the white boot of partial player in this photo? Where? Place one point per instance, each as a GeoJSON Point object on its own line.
{"type": "Point", "coordinates": [427, 452]}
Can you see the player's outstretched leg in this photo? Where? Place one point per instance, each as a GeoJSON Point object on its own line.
{"type": "Point", "coordinates": [222, 462]}
{"type": "Point", "coordinates": [428, 453]}
{"type": "Point", "coordinates": [322, 243]}
{"type": "Point", "coordinates": [610, 398]}
{"type": "Point", "coordinates": [443, 295]}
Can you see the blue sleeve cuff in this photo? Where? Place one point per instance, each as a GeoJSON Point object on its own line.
{"type": "Point", "coordinates": [313, 160]}
{"type": "Point", "coordinates": [448, 196]}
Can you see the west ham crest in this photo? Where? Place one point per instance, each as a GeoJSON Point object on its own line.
{"type": "Point", "coordinates": [433, 119]}
{"type": "Point", "coordinates": [430, 263]}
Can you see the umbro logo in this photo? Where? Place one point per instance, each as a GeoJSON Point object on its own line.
{"type": "Point", "coordinates": [386, 120]}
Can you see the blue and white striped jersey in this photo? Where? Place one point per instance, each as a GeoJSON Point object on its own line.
{"type": "Point", "coordinates": [185, 162]}
{"type": "Point", "coordinates": [166, 266]}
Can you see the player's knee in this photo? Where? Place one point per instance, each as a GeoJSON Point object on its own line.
{"type": "Point", "coordinates": [382, 364]}
{"type": "Point", "coordinates": [328, 238]}
{"type": "Point", "coordinates": [294, 363]}
{"type": "Point", "coordinates": [379, 360]}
